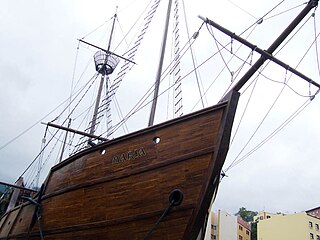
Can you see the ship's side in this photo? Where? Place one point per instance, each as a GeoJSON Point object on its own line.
{"type": "Point", "coordinates": [119, 189]}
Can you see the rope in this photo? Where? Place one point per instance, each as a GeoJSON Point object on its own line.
{"type": "Point", "coordinates": [276, 131]}
{"type": "Point", "coordinates": [315, 42]}
{"type": "Point", "coordinates": [199, 82]}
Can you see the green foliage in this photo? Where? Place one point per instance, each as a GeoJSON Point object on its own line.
{"type": "Point", "coordinates": [253, 231]}
{"type": "Point", "coordinates": [246, 215]}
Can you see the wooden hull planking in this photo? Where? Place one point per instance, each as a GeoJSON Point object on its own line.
{"type": "Point", "coordinates": [119, 189]}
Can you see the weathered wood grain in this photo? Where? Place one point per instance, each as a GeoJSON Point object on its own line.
{"type": "Point", "coordinates": [121, 193]}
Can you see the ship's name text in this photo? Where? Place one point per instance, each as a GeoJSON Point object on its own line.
{"type": "Point", "coordinates": [128, 156]}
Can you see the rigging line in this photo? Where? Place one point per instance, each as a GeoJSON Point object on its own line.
{"type": "Point", "coordinates": [245, 109]}
{"type": "Point", "coordinates": [242, 9]}
{"type": "Point", "coordinates": [276, 131]}
{"type": "Point", "coordinates": [134, 24]}
{"type": "Point", "coordinates": [32, 126]}
{"type": "Point", "coordinates": [192, 54]}
{"type": "Point", "coordinates": [101, 25]}
{"type": "Point", "coordinates": [234, 55]}
{"type": "Point", "coordinates": [139, 105]}
{"type": "Point", "coordinates": [288, 10]}
{"type": "Point", "coordinates": [260, 124]}
{"type": "Point", "coordinates": [219, 51]}
{"type": "Point", "coordinates": [48, 156]}
{"type": "Point", "coordinates": [46, 160]}
{"type": "Point", "coordinates": [242, 116]}
{"type": "Point", "coordinates": [51, 137]}
{"type": "Point", "coordinates": [285, 83]}
{"type": "Point", "coordinates": [118, 109]}
{"type": "Point", "coordinates": [259, 20]}
{"type": "Point", "coordinates": [39, 154]}
{"type": "Point", "coordinates": [74, 72]}
{"type": "Point", "coordinates": [306, 52]}
{"type": "Point", "coordinates": [82, 74]}
{"type": "Point", "coordinates": [293, 35]}
{"type": "Point", "coordinates": [124, 39]}
{"type": "Point", "coordinates": [315, 41]}
{"type": "Point", "coordinates": [92, 80]}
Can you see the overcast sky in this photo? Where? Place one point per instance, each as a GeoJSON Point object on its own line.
{"type": "Point", "coordinates": [38, 46]}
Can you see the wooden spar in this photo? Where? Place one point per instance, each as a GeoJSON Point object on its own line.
{"type": "Point", "coordinates": [267, 54]}
{"type": "Point", "coordinates": [19, 187]}
{"type": "Point", "coordinates": [96, 107]}
{"type": "Point", "coordinates": [264, 53]}
{"type": "Point", "coordinates": [106, 51]}
{"type": "Point", "coordinates": [157, 82]}
{"type": "Point", "coordinates": [77, 132]}
{"type": "Point", "coordinates": [64, 142]}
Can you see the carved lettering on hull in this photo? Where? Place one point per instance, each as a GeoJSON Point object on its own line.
{"type": "Point", "coordinates": [128, 156]}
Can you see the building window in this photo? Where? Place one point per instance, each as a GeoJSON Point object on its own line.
{"type": "Point", "coordinates": [247, 232]}
{"type": "Point", "coordinates": [240, 228]}
{"type": "Point", "coordinates": [261, 217]}
{"type": "Point", "coordinates": [311, 236]}
{"type": "Point", "coordinates": [268, 217]}
{"type": "Point", "coordinates": [318, 237]}
{"type": "Point", "coordinates": [310, 224]}
{"type": "Point", "coordinates": [240, 237]}
{"type": "Point", "coordinates": [214, 227]}
{"type": "Point", "coordinates": [317, 226]}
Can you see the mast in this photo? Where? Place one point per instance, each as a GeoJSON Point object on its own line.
{"type": "Point", "coordinates": [64, 142]}
{"type": "Point", "coordinates": [158, 76]}
{"type": "Point", "coordinates": [311, 4]}
{"type": "Point", "coordinates": [104, 65]}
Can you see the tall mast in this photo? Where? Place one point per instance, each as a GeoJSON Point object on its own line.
{"type": "Point", "coordinates": [105, 65]}
{"type": "Point", "coordinates": [158, 76]}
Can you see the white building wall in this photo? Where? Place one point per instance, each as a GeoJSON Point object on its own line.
{"type": "Point", "coordinates": [227, 229]}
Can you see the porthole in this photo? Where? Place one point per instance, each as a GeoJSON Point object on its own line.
{"type": "Point", "coordinates": [156, 140]}
{"type": "Point", "coordinates": [103, 151]}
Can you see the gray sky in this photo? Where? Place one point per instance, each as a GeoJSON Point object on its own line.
{"type": "Point", "coordinates": [38, 48]}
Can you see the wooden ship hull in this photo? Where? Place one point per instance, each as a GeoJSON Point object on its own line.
{"type": "Point", "coordinates": [120, 188]}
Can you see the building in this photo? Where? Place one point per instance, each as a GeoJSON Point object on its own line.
{"type": "Point", "coordinates": [315, 212]}
{"type": "Point", "coordinates": [295, 226]}
{"type": "Point", "coordinates": [224, 226]}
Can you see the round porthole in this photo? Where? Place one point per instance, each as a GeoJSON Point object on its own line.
{"type": "Point", "coordinates": [156, 140]}
{"type": "Point", "coordinates": [103, 151]}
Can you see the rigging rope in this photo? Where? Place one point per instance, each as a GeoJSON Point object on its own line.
{"type": "Point", "coordinates": [197, 75]}
{"type": "Point", "coordinates": [48, 142]}
{"type": "Point", "coordinates": [311, 97]}
{"type": "Point", "coordinates": [277, 130]}
{"type": "Point", "coordinates": [142, 102]}
{"type": "Point", "coordinates": [316, 43]}
{"type": "Point", "coordinates": [126, 66]}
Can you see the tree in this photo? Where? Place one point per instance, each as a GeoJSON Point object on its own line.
{"type": "Point", "coordinates": [245, 214]}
